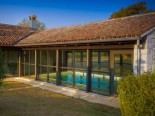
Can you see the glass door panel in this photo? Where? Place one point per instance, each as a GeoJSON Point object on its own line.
{"type": "Point", "coordinates": [73, 68]}
{"type": "Point", "coordinates": [80, 79]}
{"type": "Point", "coordinates": [122, 65]}
{"type": "Point", "coordinates": [67, 77]}
{"type": "Point", "coordinates": [52, 75]}
{"type": "Point", "coordinates": [67, 68]}
{"type": "Point", "coordinates": [80, 65]}
{"type": "Point", "coordinates": [100, 78]}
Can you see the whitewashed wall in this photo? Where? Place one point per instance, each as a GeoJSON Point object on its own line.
{"type": "Point", "coordinates": [135, 60]}
{"type": "Point", "coordinates": [147, 54]}
{"type": "Point", "coordinates": [150, 45]}
{"type": "Point", "coordinates": [143, 59]}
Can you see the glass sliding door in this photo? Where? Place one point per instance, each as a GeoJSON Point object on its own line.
{"type": "Point", "coordinates": [73, 68]}
{"type": "Point", "coordinates": [43, 65]}
{"type": "Point", "coordinates": [80, 69]}
{"type": "Point", "coordinates": [28, 63]}
{"type": "Point", "coordinates": [122, 64]}
{"type": "Point", "coordinates": [52, 66]}
{"type": "Point", "coordinates": [100, 73]}
{"type": "Point", "coordinates": [67, 68]}
{"type": "Point", "coordinates": [25, 63]}
{"type": "Point", "coordinates": [47, 65]}
{"type": "Point", "coordinates": [32, 64]}
{"type": "Point", "coordinates": [11, 62]}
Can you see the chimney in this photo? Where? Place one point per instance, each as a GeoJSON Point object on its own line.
{"type": "Point", "coordinates": [33, 22]}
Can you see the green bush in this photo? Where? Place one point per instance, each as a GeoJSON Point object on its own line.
{"type": "Point", "coordinates": [2, 68]}
{"type": "Point", "coordinates": [136, 95]}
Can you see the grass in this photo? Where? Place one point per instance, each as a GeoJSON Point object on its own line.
{"type": "Point", "coordinates": [17, 99]}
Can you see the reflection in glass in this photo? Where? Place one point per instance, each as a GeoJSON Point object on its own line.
{"type": "Point", "coordinates": [32, 57]}
{"type": "Point", "coordinates": [66, 59]}
{"type": "Point", "coordinates": [32, 71]}
{"type": "Point", "coordinates": [26, 55]}
{"type": "Point", "coordinates": [122, 68]}
{"type": "Point", "coordinates": [11, 62]}
{"type": "Point", "coordinates": [100, 79]}
{"type": "Point", "coordinates": [122, 65]}
{"type": "Point", "coordinates": [52, 58]}
{"type": "Point", "coordinates": [73, 74]}
{"type": "Point", "coordinates": [80, 59]}
{"type": "Point", "coordinates": [100, 83]}
{"type": "Point", "coordinates": [52, 75]}
{"type": "Point", "coordinates": [43, 73]}
{"type": "Point", "coordinates": [26, 70]}
{"type": "Point", "coordinates": [43, 57]}
{"type": "Point", "coordinates": [67, 77]}
{"type": "Point", "coordinates": [80, 79]}
{"type": "Point", "coordinates": [69, 59]}
{"type": "Point", "coordinates": [100, 61]}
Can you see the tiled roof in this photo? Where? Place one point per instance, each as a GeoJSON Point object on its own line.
{"type": "Point", "coordinates": [10, 34]}
{"type": "Point", "coordinates": [132, 26]}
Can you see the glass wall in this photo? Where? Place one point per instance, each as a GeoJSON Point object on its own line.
{"type": "Point", "coordinates": [100, 75]}
{"type": "Point", "coordinates": [80, 69]}
{"type": "Point", "coordinates": [73, 68]}
{"type": "Point", "coordinates": [47, 65]}
{"type": "Point", "coordinates": [28, 63]}
{"type": "Point", "coordinates": [66, 67]}
{"type": "Point", "coordinates": [122, 67]}
{"type": "Point", "coordinates": [11, 62]}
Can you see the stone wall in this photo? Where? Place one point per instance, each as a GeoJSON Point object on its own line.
{"type": "Point", "coordinates": [140, 57]}
{"type": "Point", "coordinates": [146, 53]}
{"type": "Point", "coordinates": [150, 45]}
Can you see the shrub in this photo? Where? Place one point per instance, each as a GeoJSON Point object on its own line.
{"type": "Point", "coordinates": [136, 95]}
{"type": "Point", "coordinates": [2, 68]}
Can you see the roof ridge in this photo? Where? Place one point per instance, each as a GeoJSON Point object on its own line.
{"type": "Point", "coordinates": [15, 26]}
{"type": "Point", "coordinates": [107, 20]}
{"type": "Point", "coordinates": [126, 17]}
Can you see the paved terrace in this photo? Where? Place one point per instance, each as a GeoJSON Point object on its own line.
{"type": "Point", "coordinates": [91, 97]}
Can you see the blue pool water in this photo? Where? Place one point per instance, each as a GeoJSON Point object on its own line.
{"type": "Point", "coordinates": [80, 78]}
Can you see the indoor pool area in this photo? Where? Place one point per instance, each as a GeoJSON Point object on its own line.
{"type": "Point", "coordinates": [78, 69]}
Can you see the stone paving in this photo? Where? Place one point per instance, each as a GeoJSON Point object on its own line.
{"type": "Point", "coordinates": [111, 101]}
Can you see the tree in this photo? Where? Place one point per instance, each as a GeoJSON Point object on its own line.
{"type": "Point", "coordinates": [25, 22]}
{"type": "Point", "coordinates": [139, 8]}
{"type": "Point", "coordinates": [2, 68]}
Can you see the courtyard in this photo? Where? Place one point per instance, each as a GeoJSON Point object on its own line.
{"type": "Point", "coordinates": [22, 100]}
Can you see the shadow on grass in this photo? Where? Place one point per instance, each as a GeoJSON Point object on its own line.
{"type": "Point", "coordinates": [23, 100]}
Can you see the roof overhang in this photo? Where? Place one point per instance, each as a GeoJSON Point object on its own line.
{"type": "Point", "coordinates": [83, 42]}
{"type": "Point", "coordinates": [147, 32]}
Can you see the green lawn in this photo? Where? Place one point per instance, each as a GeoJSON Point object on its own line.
{"type": "Point", "coordinates": [17, 99]}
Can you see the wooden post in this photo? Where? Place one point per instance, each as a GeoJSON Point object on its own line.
{"type": "Point", "coordinates": [36, 64]}
{"type": "Point", "coordinates": [57, 67]}
{"type": "Point", "coordinates": [111, 81]}
{"type": "Point", "coordinates": [73, 61]}
{"type": "Point", "coordinates": [19, 64]}
{"type": "Point", "coordinates": [48, 62]}
{"type": "Point", "coordinates": [88, 81]}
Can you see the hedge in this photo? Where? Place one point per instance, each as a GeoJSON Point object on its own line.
{"type": "Point", "coordinates": [136, 95]}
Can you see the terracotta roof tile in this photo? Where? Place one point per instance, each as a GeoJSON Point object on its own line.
{"type": "Point", "coordinates": [126, 27]}
{"type": "Point", "coordinates": [10, 34]}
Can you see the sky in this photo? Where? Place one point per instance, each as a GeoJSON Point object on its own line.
{"type": "Point", "coordinates": [59, 13]}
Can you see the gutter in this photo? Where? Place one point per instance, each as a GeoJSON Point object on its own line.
{"type": "Point", "coordinates": [84, 41]}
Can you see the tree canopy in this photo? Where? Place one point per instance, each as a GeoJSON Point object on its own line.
{"type": "Point", "coordinates": [25, 22]}
{"type": "Point", "coordinates": [134, 9]}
